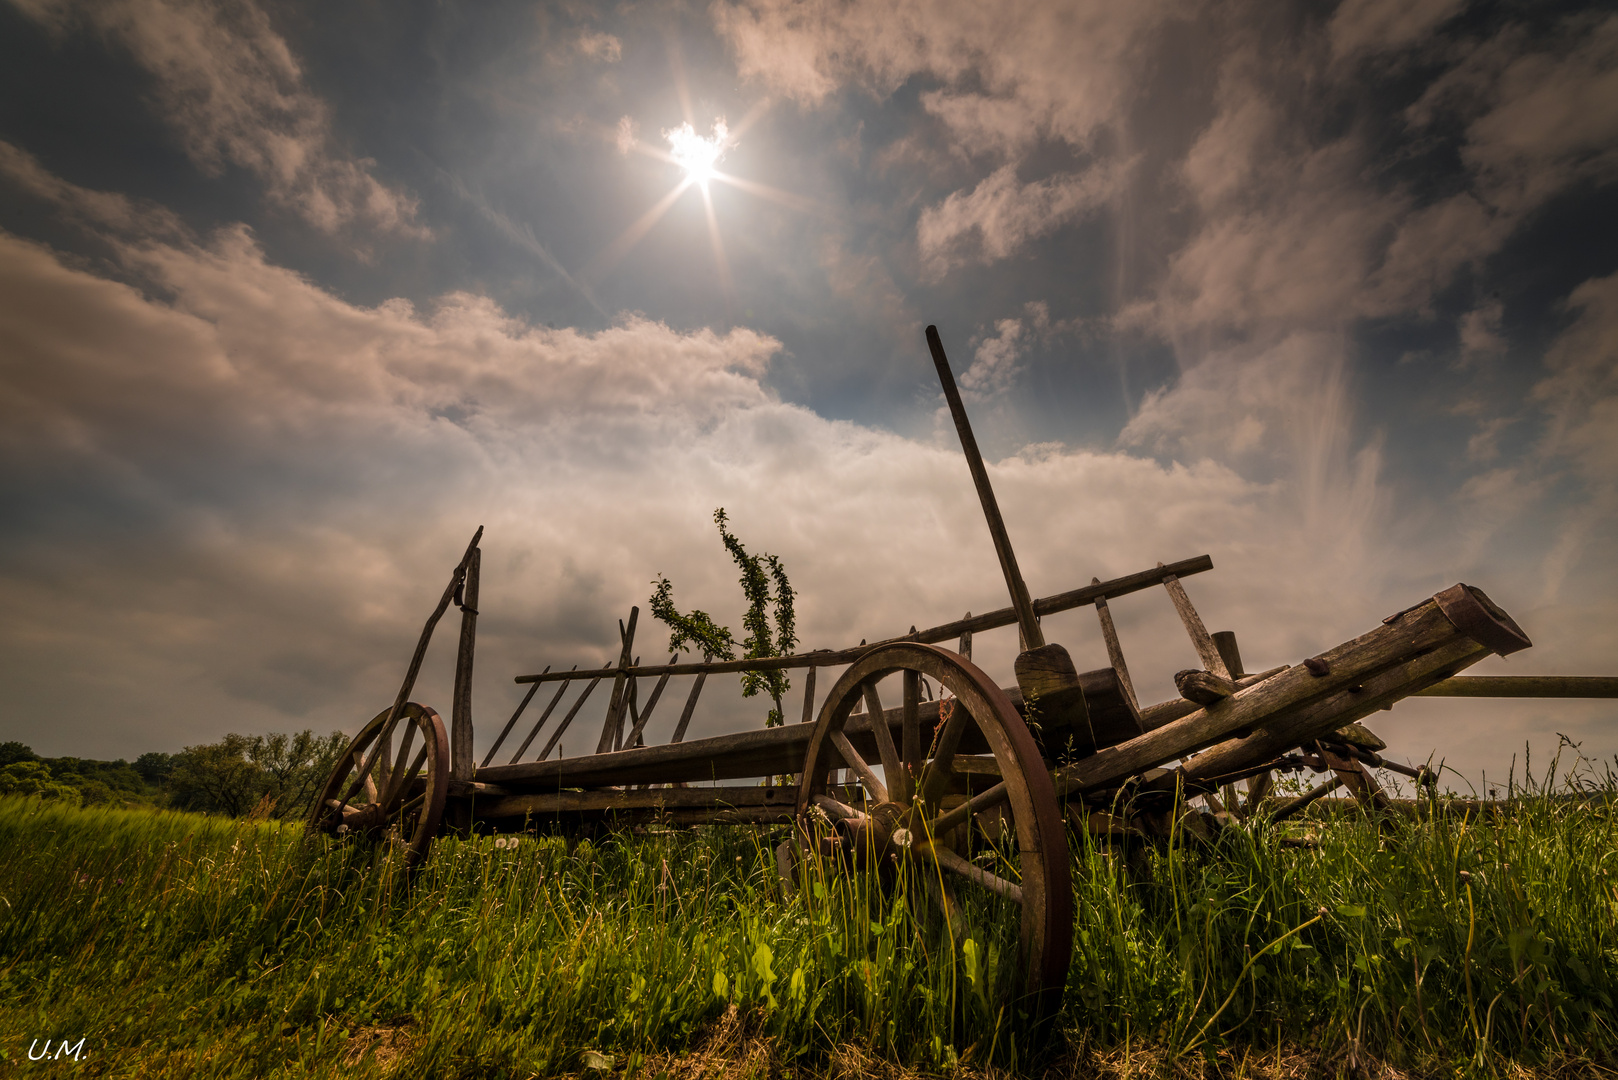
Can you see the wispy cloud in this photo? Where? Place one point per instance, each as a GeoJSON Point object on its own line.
{"type": "Point", "coordinates": [235, 95]}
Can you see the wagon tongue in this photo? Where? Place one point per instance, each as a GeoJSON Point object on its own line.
{"type": "Point", "coordinates": [1045, 673]}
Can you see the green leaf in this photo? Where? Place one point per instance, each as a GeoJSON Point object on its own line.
{"type": "Point", "coordinates": [1351, 911]}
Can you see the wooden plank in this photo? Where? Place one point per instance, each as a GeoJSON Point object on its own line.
{"type": "Point", "coordinates": [557, 802]}
{"type": "Point", "coordinates": [1300, 726]}
{"type": "Point", "coordinates": [1201, 640]}
{"type": "Point", "coordinates": [809, 696]}
{"type": "Point", "coordinates": [964, 646]}
{"type": "Point", "coordinates": [1422, 630]}
{"type": "Point", "coordinates": [1540, 686]}
{"type": "Point", "coordinates": [1123, 586]}
{"type": "Point", "coordinates": [1027, 620]}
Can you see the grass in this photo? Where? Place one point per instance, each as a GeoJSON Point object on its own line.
{"type": "Point", "coordinates": [175, 944]}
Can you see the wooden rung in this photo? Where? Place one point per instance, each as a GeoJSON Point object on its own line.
{"type": "Point", "coordinates": [1115, 652]}
{"type": "Point", "coordinates": [1201, 640]}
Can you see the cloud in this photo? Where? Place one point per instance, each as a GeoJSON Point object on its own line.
{"type": "Point", "coordinates": [1002, 213]}
{"type": "Point", "coordinates": [234, 496]}
{"type": "Point", "coordinates": [625, 138]}
{"type": "Point", "coordinates": [233, 92]}
{"type": "Point", "coordinates": [1360, 27]}
{"type": "Point", "coordinates": [1540, 114]}
{"type": "Point", "coordinates": [600, 46]}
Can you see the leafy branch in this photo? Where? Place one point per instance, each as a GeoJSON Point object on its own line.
{"type": "Point", "coordinates": [759, 574]}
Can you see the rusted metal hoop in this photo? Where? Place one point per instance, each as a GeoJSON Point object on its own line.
{"type": "Point", "coordinates": [1046, 935]}
{"type": "Point", "coordinates": [414, 802]}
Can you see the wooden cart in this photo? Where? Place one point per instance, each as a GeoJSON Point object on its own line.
{"type": "Point", "coordinates": [976, 783]}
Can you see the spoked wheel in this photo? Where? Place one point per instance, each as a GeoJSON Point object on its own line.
{"type": "Point", "coordinates": [375, 793]}
{"type": "Point", "coordinates": [967, 798]}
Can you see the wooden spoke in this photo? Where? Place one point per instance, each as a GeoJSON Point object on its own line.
{"type": "Point", "coordinates": [971, 872]}
{"type": "Point", "coordinates": [892, 767]}
{"type": "Point", "coordinates": [867, 775]}
{"type": "Point", "coordinates": [415, 819]}
{"type": "Point", "coordinates": [838, 809]}
{"type": "Point", "coordinates": [983, 734]}
{"type": "Point", "coordinates": [910, 725]}
{"type": "Point", "coordinates": [400, 774]}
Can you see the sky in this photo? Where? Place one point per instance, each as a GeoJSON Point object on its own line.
{"type": "Point", "coordinates": [295, 296]}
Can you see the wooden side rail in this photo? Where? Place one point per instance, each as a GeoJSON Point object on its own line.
{"type": "Point", "coordinates": [1089, 594]}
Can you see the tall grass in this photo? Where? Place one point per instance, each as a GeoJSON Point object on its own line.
{"type": "Point", "coordinates": [177, 944]}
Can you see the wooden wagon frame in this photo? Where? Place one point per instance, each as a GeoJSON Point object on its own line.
{"type": "Point", "coordinates": [979, 783]}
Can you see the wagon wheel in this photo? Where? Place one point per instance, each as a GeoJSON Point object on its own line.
{"type": "Point", "coordinates": [375, 793]}
{"type": "Point", "coordinates": [1020, 869]}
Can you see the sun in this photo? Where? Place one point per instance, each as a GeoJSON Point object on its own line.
{"type": "Point", "coordinates": [698, 156]}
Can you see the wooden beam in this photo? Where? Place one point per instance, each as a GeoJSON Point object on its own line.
{"type": "Point", "coordinates": [1540, 686]}
{"type": "Point", "coordinates": [1089, 594]}
{"type": "Point", "coordinates": [460, 722]}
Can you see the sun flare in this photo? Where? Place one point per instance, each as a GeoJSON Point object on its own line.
{"type": "Point", "coordinates": [698, 156]}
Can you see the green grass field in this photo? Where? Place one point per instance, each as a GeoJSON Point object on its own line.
{"type": "Point", "coordinates": [175, 944]}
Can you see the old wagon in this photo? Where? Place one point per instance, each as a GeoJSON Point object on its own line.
{"type": "Point", "coordinates": [975, 783]}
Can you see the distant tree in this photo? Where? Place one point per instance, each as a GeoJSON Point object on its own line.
{"type": "Point", "coordinates": [154, 768]}
{"type": "Point", "coordinates": [34, 778]}
{"type": "Point", "coordinates": [215, 778]}
{"type": "Point", "coordinates": [13, 752]}
{"type": "Point", "coordinates": [293, 767]}
{"type": "Point", "coordinates": [717, 642]}
{"type": "Point", "coordinates": [232, 775]}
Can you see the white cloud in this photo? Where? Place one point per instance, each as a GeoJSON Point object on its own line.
{"type": "Point", "coordinates": [600, 46]}
{"type": "Point", "coordinates": [1002, 213]}
{"type": "Point", "coordinates": [235, 95]}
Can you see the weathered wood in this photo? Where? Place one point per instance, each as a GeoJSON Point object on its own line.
{"type": "Point", "coordinates": [1115, 651]}
{"type": "Point", "coordinates": [809, 697]}
{"type": "Point", "coordinates": [690, 707]}
{"type": "Point", "coordinates": [1360, 784]}
{"type": "Point", "coordinates": [523, 704]}
{"type": "Point", "coordinates": [1155, 716]}
{"type": "Point", "coordinates": [1203, 687]}
{"type": "Point", "coordinates": [910, 726]}
{"type": "Point", "coordinates": [964, 647]}
{"type": "Point", "coordinates": [1300, 726]}
{"type": "Point", "coordinates": [1225, 642]}
{"type": "Point", "coordinates": [645, 717]}
{"type": "Point", "coordinates": [1020, 600]}
{"type": "Point", "coordinates": [1293, 806]}
{"type": "Point", "coordinates": [544, 716]}
{"type": "Point", "coordinates": [1123, 586]}
{"type": "Point", "coordinates": [1282, 707]}
{"type": "Point", "coordinates": [631, 707]}
{"type": "Point", "coordinates": [853, 759]}
{"type": "Point", "coordinates": [415, 661]}
{"type": "Point", "coordinates": [1046, 675]}
{"type": "Point", "coordinates": [626, 641]}
{"type": "Point", "coordinates": [1541, 686]}
{"type": "Point", "coordinates": [560, 802]}
{"type": "Point", "coordinates": [561, 729]}
{"type": "Point", "coordinates": [1201, 640]}
{"type": "Point", "coordinates": [892, 768]}
{"type": "Point", "coordinates": [462, 766]}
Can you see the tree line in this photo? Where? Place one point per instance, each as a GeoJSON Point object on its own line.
{"type": "Point", "coordinates": [278, 773]}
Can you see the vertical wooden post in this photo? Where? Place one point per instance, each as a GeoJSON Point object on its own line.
{"type": "Point", "coordinates": [616, 705]}
{"type": "Point", "coordinates": [1032, 636]}
{"type": "Point", "coordinates": [965, 647]}
{"type": "Point", "coordinates": [462, 766]}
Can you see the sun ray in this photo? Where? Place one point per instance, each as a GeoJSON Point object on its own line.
{"type": "Point", "coordinates": [774, 194]}
{"type": "Point", "coordinates": [718, 244]}
{"type": "Point", "coordinates": [598, 266]}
